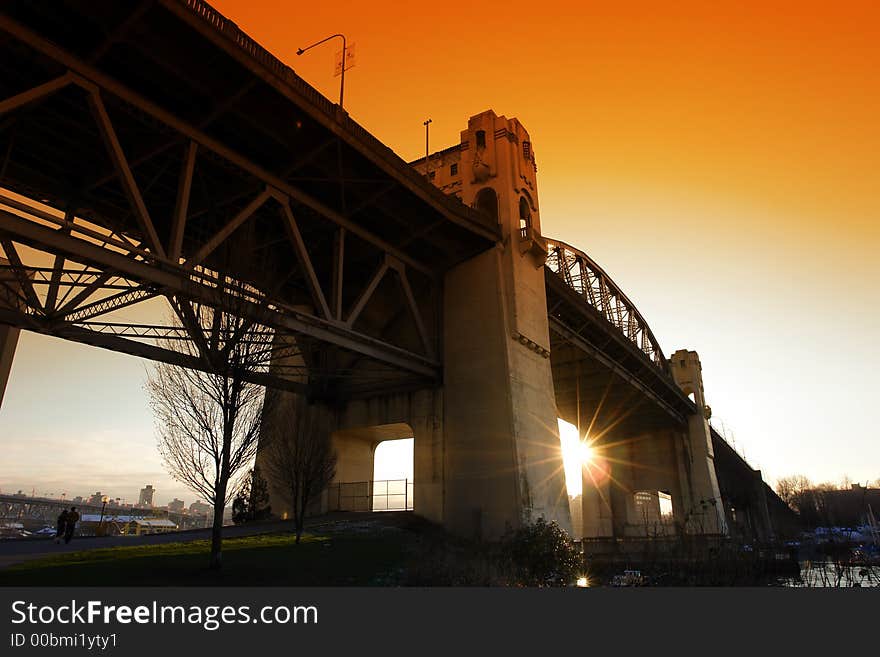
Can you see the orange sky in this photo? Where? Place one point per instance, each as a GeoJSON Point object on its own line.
{"type": "Point", "coordinates": [719, 160]}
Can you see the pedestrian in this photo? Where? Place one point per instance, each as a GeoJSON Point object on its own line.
{"type": "Point", "coordinates": [70, 527]}
{"type": "Point", "coordinates": [62, 525]}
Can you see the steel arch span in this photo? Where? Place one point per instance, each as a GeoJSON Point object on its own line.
{"type": "Point", "coordinates": [588, 279]}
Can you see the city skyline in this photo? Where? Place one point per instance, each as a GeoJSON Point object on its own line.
{"type": "Point", "coordinates": [75, 497]}
{"type": "Point", "coordinates": [720, 166]}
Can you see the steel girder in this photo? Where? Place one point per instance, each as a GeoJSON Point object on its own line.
{"type": "Point", "coordinates": [105, 270]}
{"type": "Point", "coordinates": [145, 266]}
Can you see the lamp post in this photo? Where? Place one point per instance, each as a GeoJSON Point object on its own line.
{"type": "Point", "coordinates": [427, 150]}
{"type": "Point", "coordinates": [101, 521]}
{"type": "Point", "coordinates": [300, 51]}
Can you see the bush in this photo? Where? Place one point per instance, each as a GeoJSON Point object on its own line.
{"type": "Point", "coordinates": [540, 554]}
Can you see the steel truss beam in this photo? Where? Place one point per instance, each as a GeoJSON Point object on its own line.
{"type": "Point", "coordinates": [201, 287]}
{"type": "Point", "coordinates": [150, 267]}
{"type": "Point", "coordinates": [589, 280]}
{"type": "Point", "coordinates": [91, 79]}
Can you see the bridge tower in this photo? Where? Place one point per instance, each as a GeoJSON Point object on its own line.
{"type": "Point", "coordinates": [503, 458]}
{"type": "Point", "coordinates": [706, 506]}
{"type": "Point", "coordinates": [487, 454]}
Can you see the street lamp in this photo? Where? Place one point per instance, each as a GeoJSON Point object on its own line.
{"type": "Point", "coordinates": [300, 51]}
{"type": "Point", "coordinates": [426, 124]}
{"type": "Point", "coordinates": [101, 521]}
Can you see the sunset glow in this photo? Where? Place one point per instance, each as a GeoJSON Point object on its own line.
{"type": "Point", "coordinates": [719, 161]}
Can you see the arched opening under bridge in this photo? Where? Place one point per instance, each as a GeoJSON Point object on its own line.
{"type": "Point", "coordinates": [374, 470]}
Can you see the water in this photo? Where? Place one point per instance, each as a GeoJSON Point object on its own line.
{"type": "Point", "coordinates": [831, 574]}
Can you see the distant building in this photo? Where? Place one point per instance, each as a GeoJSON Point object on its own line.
{"type": "Point", "coordinates": [77, 500]}
{"type": "Point", "coordinates": [96, 499]}
{"type": "Point", "coordinates": [146, 497]}
{"type": "Point", "coordinates": [176, 506]}
{"type": "Point", "coordinates": [140, 526]}
{"type": "Point", "coordinates": [847, 507]}
{"type": "Point", "coordinates": [199, 508]}
{"type": "Point", "coordinates": [116, 525]}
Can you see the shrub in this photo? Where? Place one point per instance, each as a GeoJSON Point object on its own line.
{"type": "Point", "coordinates": [540, 554]}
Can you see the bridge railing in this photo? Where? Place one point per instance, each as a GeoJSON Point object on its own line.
{"type": "Point", "coordinates": [584, 276]}
{"type": "Point", "coordinates": [376, 495]}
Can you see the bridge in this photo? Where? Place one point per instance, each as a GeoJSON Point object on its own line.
{"type": "Point", "coordinates": [156, 160]}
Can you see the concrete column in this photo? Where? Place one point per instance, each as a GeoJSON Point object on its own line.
{"type": "Point", "coordinates": [274, 401]}
{"type": "Point", "coordinates": [8, 342]}
{"type": "Point", "coordinates": [596, 503]}
{"type": "Point", "coordinates": [482, 483]}
{"type": "Point", "coordinates": [762, 513]}
{"type": "Point", "coordinates": [428, 473]}
{"type": "Point", "coordinates": [654, 470]}
{"type": "Point", "coordinates": [706, 514]}
{"type": "Point", "coordinates": [503, 458]}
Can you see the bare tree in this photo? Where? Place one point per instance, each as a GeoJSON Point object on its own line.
{"type": "Point", "coordinates": [300, 458]}
{"type": "Point", "coordinates": [209, 421]}
{"type": "Point", "coordinates": [791, 489]}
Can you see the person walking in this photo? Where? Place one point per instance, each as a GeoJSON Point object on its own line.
{"type": "Point", "coordinates": [70, 527]}
{"type": "Point", "coordinates": [61, 526]}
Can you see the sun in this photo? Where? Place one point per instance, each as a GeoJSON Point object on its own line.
{"type": "Point", "coordinates": [585, 452]}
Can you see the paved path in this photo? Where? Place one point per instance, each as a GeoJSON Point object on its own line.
{"type": "Point", "coordinates": [14, 551]}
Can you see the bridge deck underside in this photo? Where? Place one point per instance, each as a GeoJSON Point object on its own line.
{"type": "Point", "coordinates": [596, 369]}
{"type": "Point", "coordinates": [283, 192]}
{"type": "Point", "coordinates": [607, 404]}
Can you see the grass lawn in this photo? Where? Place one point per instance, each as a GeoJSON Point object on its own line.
{"type": "Point", "coordinates": [263, 560]}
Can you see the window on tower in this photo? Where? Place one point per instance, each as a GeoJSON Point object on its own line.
{"type": "Point", "coordinates": [525, 217]}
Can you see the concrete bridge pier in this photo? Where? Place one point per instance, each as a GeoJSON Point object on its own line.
{"type": "Point", "coordinates": [706, 514]}
{"type": "Point", "coordinates": [503, 456]}
{"type": "Point", "coordinates": [503, 452]}
{"type": "Point", "coordinates": [361, 425]}
{"type": "Point", "coordinates": [597, 515]}
{"type": "Point", "coordinates": [8, 342]}
{"type": "Point", "coordinates": [745, 501]}
{"type": "Point", "coordinates": [632, 487]}
{"type": "Point", "coordinates": [355, 429]}
{"type": "Point", "coordinates": [759, 495]}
